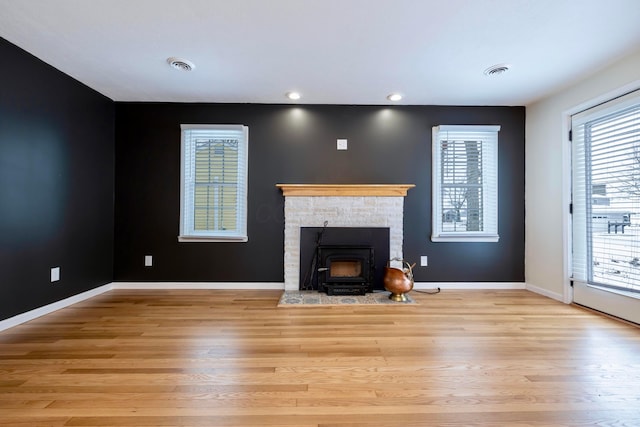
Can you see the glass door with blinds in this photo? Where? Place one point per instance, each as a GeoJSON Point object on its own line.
{"type": "Point", "coordinates": [606, 207]}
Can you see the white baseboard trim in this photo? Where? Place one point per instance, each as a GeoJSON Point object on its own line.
{"type": "Point", "coordinates": [547, 293]}
{"type": "Point", "coordinates": [469, 285]}
{"type": "Point", "coordinates": [50, 308]}
{"type": "Point", "coordinates": [198, 285]}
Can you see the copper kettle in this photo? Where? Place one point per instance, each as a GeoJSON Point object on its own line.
{"type": "Point", "coordinates": [398, 281]}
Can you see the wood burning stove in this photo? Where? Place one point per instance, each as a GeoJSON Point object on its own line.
{"type": "Point", "coordinates": [360, 243]}
{"type": "Point", "coordinates": [345, 269]}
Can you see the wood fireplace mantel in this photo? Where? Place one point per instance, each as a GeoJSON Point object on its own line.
{"type": "Point", "coordinates": [394, 190]}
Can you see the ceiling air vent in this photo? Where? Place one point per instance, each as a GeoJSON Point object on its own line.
{"type": "Point", "coordinates": [181, 64]}
{"type": "Point", "coordinates": [497, 69]}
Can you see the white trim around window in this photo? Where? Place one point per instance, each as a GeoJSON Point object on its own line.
{"type": "Point", "coordinates": [213, 190]}
{"type": "Point", "coordinates": [465, 183]}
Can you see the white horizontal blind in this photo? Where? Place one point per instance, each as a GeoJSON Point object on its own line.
{"type": "Point", "coordinates": [465, 180]}
{"type": "Point", "coordinates": [606, 194]}
{"type": "Point", "coordinates": [214, 187]}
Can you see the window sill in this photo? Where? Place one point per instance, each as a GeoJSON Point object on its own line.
{"type": "Point", "coordinates": [464, 238]}
{"type": "Point", "coordinates": [240, 239]}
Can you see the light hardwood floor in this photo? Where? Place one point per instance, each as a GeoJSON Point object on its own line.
{"type": "Point", "coordinates": [232, 358]}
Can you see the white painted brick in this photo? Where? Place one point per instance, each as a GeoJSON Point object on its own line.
{"type": "Point", "coordinates": [339, 212]}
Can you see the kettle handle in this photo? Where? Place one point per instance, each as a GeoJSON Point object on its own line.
{"type": "Point", "coordinates": [406, 267]}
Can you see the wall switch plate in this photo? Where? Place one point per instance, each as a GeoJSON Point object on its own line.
{"type": "Point", "coordinates": [55, 274]}
{"type": "Point", "coordinates": [148, 260]}
{"type": "Point", "coordinates": [342, 144]}
{"type": "Point", "coordinates": [424, 262]}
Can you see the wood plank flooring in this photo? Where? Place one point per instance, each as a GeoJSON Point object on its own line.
{"type": "Point", "coordinates": [232, 358]}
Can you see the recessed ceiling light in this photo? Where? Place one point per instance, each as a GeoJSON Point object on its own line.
{"type": "Point", "coordinates": [294, 96]}
{"type": "Point", "coordinates": [497, 69]}
{"type": "Point", "coordinates": [394, 97]}
{"type": "Point", "coordinates": [180, 64]}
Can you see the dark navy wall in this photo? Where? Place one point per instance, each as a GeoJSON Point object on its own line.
{"type": "Point", "coordinates": [56, 184]}
{"type": "Point", "coordinates": [297, 144]}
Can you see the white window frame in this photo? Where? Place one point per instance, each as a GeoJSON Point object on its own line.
{"type": "Point", "coordinates": [488, 136]}
{"type": "Point", "coordinates": [188, 233]}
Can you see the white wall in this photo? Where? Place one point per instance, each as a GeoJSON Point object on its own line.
{"type": "Point", "coordinates": [547, 182]}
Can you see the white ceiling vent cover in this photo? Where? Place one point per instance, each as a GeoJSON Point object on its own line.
{"type": "Point", "coordinates": [497, 69]}
{"type": "Point", "coordinates": [180, 64]}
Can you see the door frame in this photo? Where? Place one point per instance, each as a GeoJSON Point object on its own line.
{"type": "Point", "coordinates": [594, 297]}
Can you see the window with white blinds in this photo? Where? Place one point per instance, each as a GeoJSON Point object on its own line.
{"type": "Point", "coordinates": [214, 183]}
{"type": "Point", "coordinates": [465, 183]}
{"type": "Point", "coordinates": [606, 194]}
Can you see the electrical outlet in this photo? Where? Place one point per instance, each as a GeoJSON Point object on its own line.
{"type": "Point", "coordinates": [148, 261]}
{"type": "Point", "coordinates": [55, 274]}
{"type": "Point", "coordinates": [424, 262]}
{"type": "Point", "coordinates": [342, 144]}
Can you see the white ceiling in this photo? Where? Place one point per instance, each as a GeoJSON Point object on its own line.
{"type": "Point", "coordinates": [332, 51]}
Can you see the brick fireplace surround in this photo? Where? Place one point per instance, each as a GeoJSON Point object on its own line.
{"type": "Point", "coordinates": [341, 205]}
